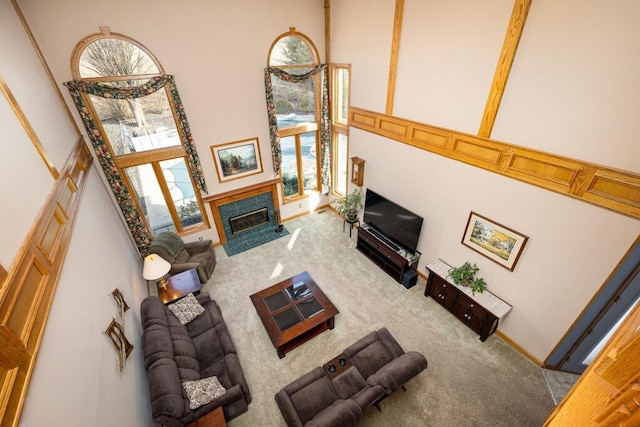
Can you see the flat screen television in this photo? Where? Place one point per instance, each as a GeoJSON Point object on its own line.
{"type": "Point", "coordinates": [395, 222]}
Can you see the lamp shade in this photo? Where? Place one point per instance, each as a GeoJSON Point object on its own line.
{"type": "Point", "coordinates": [155, 267]}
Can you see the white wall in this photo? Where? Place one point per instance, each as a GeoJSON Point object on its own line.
{"type": "Point", "coordinates": [570, 92]}
{"type": "Point", "coordinates": [561, 97]}
{"type": "Point", "coordinates": [30, 87]}
{"type": "Point", "coordinates": [76, 380]}
{"type": "Point", "coordinates": [216, 50]}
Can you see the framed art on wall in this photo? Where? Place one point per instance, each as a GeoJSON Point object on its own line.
{"type": "Point", "coordinates": [493, 240]}
{"type": "Point", "coordinates": [237, 159]}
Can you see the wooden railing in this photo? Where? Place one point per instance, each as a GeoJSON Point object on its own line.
{"type": "Point", "coordinates": [27, 292]}
{"type": "Point", "coordinates": [603, 186]}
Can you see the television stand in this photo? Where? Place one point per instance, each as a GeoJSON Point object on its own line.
{"type": "Point", "coordinates": [384, 238]}
{"type": "Point", "coordinates": [387, 255]}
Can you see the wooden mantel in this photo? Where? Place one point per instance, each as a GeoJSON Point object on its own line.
{"type": "Point", "coordinates": [218, 200]}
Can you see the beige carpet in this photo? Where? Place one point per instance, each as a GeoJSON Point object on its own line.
{"type": "Point", "coordinates": [467, 383]}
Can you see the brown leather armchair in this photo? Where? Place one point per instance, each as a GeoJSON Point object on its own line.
{"type": "Point", "coordinates": [185, 256]}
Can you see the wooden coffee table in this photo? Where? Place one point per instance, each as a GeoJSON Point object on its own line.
{"type": "Point", "coordinates": [294, 311]}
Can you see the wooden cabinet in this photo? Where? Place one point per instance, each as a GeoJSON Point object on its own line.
{"type": "Point", "coordinates": [394, 262]}
{"type": "Point", "coordinates": [444, 293]}
{"type": "Point", "coordinates": [474, 316]}
{"type": "Point", "coordinates": [481, 312]}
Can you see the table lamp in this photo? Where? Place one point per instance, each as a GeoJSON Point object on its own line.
{"type": "Point", "coordinates": [155, 267]}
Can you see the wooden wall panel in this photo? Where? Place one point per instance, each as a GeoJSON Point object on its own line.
{"type": "Point", "coordinates": [51, 235]}
{"type": "Point", "coordinates": [429, 138]}
{"type": "Point", "coordinates": [66, 198]}
{"type": "Point", "coordinates": [20, 314]}
{"type": "Point", "coordinates": [475, 150]}
{"type": "Point", "coordinates": [8, 373]}
{"type": "Point", "coordinates": [608, 392]}
{"type": "Point", "coordinates": [600, 185]}
{"type": "Point", "coordinates": [27, 293]}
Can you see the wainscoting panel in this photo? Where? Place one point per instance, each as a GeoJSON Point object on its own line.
{"type": "Point", "coordinates": [600, 185]}
{"type": "Point", "coordinates": [27, 293]}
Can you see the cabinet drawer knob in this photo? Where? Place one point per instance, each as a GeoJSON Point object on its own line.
{"type": "Point", "coordinates": [471, 306]}
{"type": "Point", "coordinates": [444, 286]}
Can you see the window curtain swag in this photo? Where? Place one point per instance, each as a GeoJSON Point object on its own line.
{"type": "Point", "coordinates": [76, 88]}
{"type": "Point", "coordinates": [325, 139]}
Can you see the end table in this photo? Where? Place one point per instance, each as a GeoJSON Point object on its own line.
{"type": "Point", "coordinates": [180, 285]}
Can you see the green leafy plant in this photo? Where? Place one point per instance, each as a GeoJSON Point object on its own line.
{"type": "Point", "coordinates": [350, 205]}
{"type": "Point", "coordinates": [465, 276]}
{"type": "Point", "coordinates": [190, 210]}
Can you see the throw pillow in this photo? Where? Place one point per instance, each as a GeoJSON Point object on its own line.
{"type": "Point", "coordinates": [203, 391]}
{"type": "Point", "coordinates": [186, 309]}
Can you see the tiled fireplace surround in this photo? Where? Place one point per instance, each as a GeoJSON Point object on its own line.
{"type": "Point", "coordinates": [241, 201]}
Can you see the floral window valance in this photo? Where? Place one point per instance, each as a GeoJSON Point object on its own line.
{"type": "Point", "coordinates": [325, 138]}
{"type": "Point", "coordinates": [125, 201]}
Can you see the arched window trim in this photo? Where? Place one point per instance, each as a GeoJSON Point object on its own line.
{"type": "Point", "coordinates": [319, 72]}
{"type": "Point", "coordinates": [82, 45]}
{"type": "Point", "coordinates": [112, 165]}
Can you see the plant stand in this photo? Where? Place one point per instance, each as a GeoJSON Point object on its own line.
{"type": "Point", "coordinates": [351, 223]}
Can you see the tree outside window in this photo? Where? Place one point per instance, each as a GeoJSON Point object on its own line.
{"type": "Point", "coordinates": [296, 106]}
{"type": "Point", "coordinates": [141, 133]}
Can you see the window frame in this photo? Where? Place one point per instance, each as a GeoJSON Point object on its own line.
{"type": "Point", "coordinates": [339, 128]}
{"type": "Point", "coordinates": [298, 129]}
{"type": "Point", "coordinates": [151, 157]}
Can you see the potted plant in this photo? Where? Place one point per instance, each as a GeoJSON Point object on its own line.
{"type": "Point", "coordinates": [465, 276]}
{"type": "Point", "coordinates": [350, 205]}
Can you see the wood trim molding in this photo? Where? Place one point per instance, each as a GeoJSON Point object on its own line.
{"type": "Point", "coordinates": [508, 53]}
{"type": "Point", "coordinates": [522, 351]}
{"type": "Point", "coordinates": [27, 293]}
{"type": "Point", "coordinates": [36, 48]}
{"type": "Point", "coordinates": [602, 186]}
{"type": "Point", "coordinates": [395, 51]}
{"type": "Point", "coordinates": [31, 133]}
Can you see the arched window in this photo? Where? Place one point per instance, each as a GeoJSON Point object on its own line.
{"type": "Point", "coordinates": [137, 126]}
{"type": "Point", "coordinates": [297, 99]}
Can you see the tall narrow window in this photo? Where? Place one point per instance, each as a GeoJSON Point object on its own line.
{"type": "Point", "coordinates": [339, 126]}
{"type": "Point", "coordinates": [297, 104]}
{"type": "Point", "coordinates": [136, 128]}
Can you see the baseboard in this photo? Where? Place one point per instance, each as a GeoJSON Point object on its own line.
{"type": "Point", "coordinates": [520, 349]}
{"type": "Point", "coordinates": [307, 212]}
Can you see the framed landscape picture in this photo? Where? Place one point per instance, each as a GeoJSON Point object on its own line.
{"type": "Point", "coordinates": [495, 241]}
{"type": "Point", "coordinates": [237, 159]}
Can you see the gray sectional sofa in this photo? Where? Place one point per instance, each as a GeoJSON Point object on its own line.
{"type": "Point", "coordinates": [175, 353]}
{"type": "Point", "coordinates": [338, 393]}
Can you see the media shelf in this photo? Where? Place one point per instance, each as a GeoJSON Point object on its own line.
{"type": "Point", "coordinates": [386, 254]}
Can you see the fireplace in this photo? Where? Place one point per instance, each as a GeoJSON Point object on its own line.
{"type": "Point", "coordinates": [251, 208]}
{"type": "Point", "coordinates": [247, 221]}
